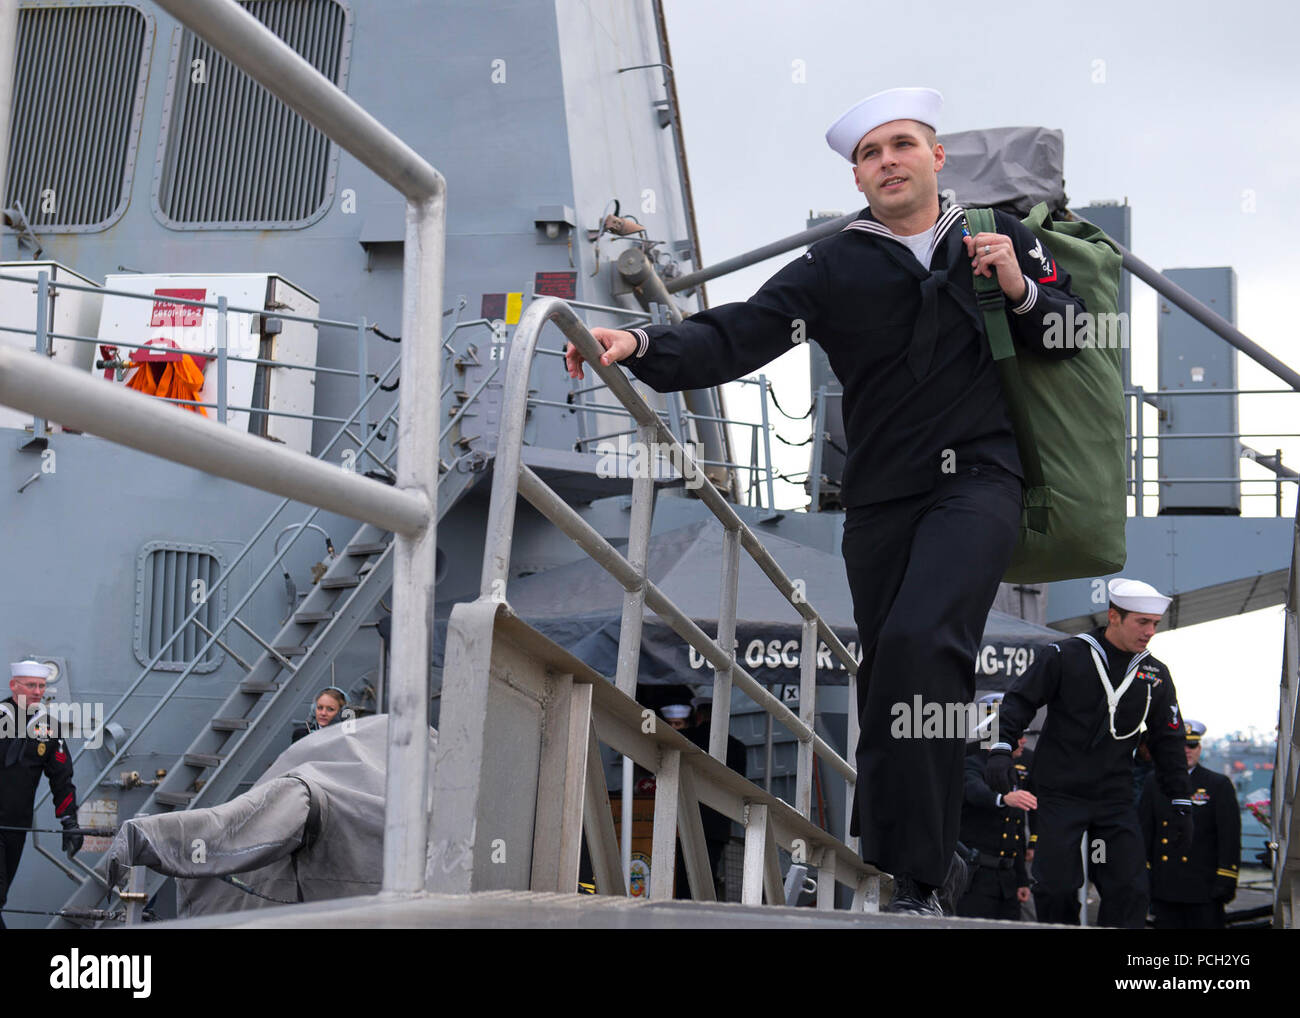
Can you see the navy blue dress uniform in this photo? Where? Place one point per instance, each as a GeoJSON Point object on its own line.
{"type": "Point", "coordinates": [932, 478]}
{"type": "Point", "coordinates": [30, 748]}
{"type": "Point", "coordinates": [1189, 888]}
{"type": "Point", "coordinates": [996, 837]}
{"type": "Point", "coordinates": [1098, 699]}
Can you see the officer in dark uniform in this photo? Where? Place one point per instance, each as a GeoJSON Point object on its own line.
{"type": "Point", "coordinates": [30, 747]}
{"type": "Point", "coordinates": [1189, 889]}
{"type": "Point", "coordinates": [932, 479]}
{"type": "Point", "coordinates": [995, 835]}
{"type": "Point", "coordinates": [1100, 688]}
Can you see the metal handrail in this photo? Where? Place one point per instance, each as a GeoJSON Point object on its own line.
{"type": "Point", "coordinates": [512, 478]}
{"type": "Point", "coordinates": [214, 305]}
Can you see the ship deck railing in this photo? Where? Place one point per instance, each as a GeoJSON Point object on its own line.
{"type": "Point", "coordinates": [511, 479]}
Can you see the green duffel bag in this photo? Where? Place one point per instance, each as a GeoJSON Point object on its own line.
{"type": "Point", "coordinates": [1068, 414]}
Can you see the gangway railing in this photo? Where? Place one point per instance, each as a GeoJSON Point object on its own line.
{"type": "Point", "coordinates": [1286, 770]}
{"type": "Point", "coordinates": [684, 779]}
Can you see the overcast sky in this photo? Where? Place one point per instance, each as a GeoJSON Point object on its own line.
{"type": "Point", "coordinates": [1189, 111]}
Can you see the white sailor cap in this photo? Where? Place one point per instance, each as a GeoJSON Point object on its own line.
{"type": "Point", "coordinates": [922, 104]}
{"type": "Point", "coordinates": [1136, 596]}
{"type": "Point", "coordinates": [29, 669]}
{"type": "Point", "coordinates": [676, 712]}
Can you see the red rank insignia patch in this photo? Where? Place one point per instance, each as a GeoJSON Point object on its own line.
{"type": "Point", "coordinates": [61, 757]}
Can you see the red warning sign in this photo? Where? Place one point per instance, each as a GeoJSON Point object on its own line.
{"type": "Point", "coordinates": [556, 284]}
{"type": "Point", "coordinates": [168, 313]}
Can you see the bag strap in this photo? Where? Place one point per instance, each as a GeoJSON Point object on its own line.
{"type": "Point", "coordinates": [993, 304]}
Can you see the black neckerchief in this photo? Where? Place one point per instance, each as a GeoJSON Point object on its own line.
{"type": "Point", "coordinates": [948, 253]}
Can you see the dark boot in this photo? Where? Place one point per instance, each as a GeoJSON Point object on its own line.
{"type": "Point", "coordinates": [912, 900]}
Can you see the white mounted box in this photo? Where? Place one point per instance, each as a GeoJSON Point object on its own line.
{"type": "Point", "coordinates": [71, 313]}
{"type": "Point", "coordinates": [127, 322]}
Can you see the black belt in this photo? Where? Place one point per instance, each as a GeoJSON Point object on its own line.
{"type": "Point", "coordinates": [995, 862]}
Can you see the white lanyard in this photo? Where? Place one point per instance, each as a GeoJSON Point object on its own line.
{"type": "Point", "coordinates": [1113, 696]}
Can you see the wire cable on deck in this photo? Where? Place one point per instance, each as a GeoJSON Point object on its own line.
{"type": "Point", "coordinates": [782, 438]}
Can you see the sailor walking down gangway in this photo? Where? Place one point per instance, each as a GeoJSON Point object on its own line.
{"type": "Point", "coordinates": [932, 481]}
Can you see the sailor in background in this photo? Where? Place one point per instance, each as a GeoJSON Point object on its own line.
{"type": "Point", "coordinates": [331, 705]}
{"type": "Point", "coordinates": [996, 837]}
{"type": "Point", "coordinates": [30, 747]}
{"type": "Point", "coordinates": [1190, 887]}
{"type": "Point", "coordinates": [1100, 689]}
{"type": "Point", "coordinates": [677, 715]}
{"type": "Point", "coordinates": [932, 479]}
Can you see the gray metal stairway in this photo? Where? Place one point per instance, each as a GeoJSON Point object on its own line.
{"type": "Point", "coordinates": [259, 707]}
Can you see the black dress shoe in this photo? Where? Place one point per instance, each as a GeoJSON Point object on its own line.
{"type": "Point", "coordinates": [955, 883]}
{"type": "Point", "coordinates": [909, 900]}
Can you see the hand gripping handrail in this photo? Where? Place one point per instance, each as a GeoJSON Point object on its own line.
{"type": "Point", "coordinates": [512, 478]}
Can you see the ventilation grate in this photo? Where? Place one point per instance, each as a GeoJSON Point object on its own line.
{"type": "Point", "coordinates": [236, 155]}
{"type": "Point", "coordinates": [78, 83]}
{"type": "Point", "coordinates": [170, 580]}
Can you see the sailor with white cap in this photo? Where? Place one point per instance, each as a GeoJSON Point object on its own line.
{"type": "Point", "coordinates": [28, 749]}
{"type": "Point", "coordinates": [1101, 690]}
{"type": "Point", "coordinates": [932, 476]}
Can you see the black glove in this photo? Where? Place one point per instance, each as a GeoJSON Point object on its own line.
{"type": "Point", "coordinates": [1181, 827]}
{"type": "Point", "coordinates": [71, 841]}
{"type": "Point", "coordinates": [998, 770]}
{"type": "Point", "coordinates": [1224, 889]}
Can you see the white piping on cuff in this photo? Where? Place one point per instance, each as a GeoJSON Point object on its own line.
{"type": "Point", "coordinates": [1031, 298]}
{"type": "Point", "coordinates": [642, 342]}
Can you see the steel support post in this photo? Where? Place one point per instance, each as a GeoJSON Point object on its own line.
{"type": "Point", "coordinates": [406, 813]}
{"type": "Point", "coordinates": [363, 418]}
{"type": "Point", "coordinates": [720, 719]}
{"type": "Point", "coordinates": [43, 350]}
{"type": "Point", "coordinates": [819, 429]}
{"type": "Point", "coordinates": [638, 544]}
{"type": "Point", "coordinates": [807, 714]}
{"type": "Point", "coordinates": [223, 358]}
{"type": "Point", "coordinates": [767, 450]}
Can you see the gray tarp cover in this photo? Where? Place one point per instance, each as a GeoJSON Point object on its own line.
{"type": "Point", "coordinates": [341, 768]}
{"type": "Point", "coordinates": [1011, 167]}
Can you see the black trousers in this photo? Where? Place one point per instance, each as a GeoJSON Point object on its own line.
{"type": "Point", "coordinates": [11, 851]}
{"type": "Point", "coordinates": [923, 572]}
{"type": "Point", "coordinates": [1117, 860]}
{"type": "Point", "coordinates": [1183, 915]}
{"type": "Point", "coordinates": [992, 895]}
